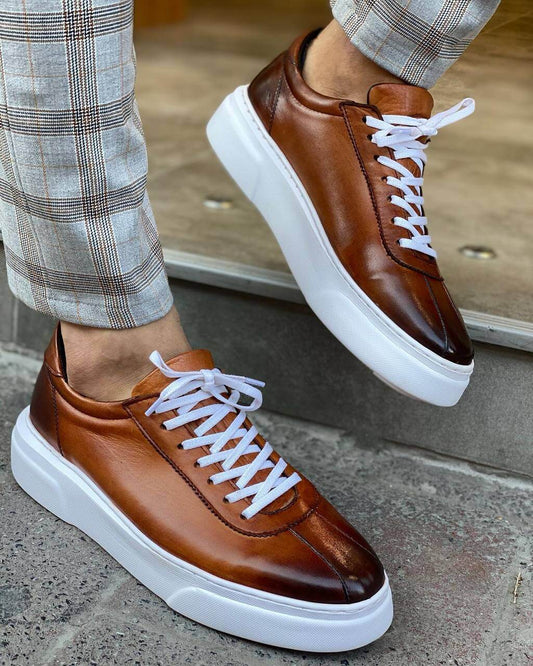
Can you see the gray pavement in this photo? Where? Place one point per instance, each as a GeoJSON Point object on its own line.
{"type": "Point", "coordinates": [453, 538]}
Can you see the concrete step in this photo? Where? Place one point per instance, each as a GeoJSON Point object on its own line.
{"type": "Point", "coordinates": [453, 540]}
{"type": "Point", "coordinates": [256, 324]}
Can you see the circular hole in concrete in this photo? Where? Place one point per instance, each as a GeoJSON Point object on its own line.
{"type": "Point", "coordinates": [477, 252]}
{"type": "Point", "coordinates": [218, 203]}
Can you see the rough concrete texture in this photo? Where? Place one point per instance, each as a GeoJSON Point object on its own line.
{"type": "Point", "coordinates": [453, 541]}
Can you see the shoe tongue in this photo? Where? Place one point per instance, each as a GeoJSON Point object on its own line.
{"type": "Point", "coordinates": [400, 99]}
{"type": "Point", "coordinates": [197, 359]}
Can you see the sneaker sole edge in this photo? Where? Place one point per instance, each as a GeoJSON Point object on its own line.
{"type": "Point", "coordinates": [265, 176]}
{"type": "Point", "coordinates": [235, 609]}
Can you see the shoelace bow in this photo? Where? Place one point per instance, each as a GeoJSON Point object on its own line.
{"type": "Point", "coordinates": [401, 134]}
{"type": "Point", "coordinates": [182, 397]}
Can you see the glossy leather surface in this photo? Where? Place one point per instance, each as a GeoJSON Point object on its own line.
{"type": "Point", "coordinates": [327, 143]}
{"type": "Point", "coordinates": [298, 547]}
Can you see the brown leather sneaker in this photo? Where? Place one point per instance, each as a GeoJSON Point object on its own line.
{"type": "Point", "coordinates": [178, 486]}
{"type": "Point", "coordinates": [340, 183]}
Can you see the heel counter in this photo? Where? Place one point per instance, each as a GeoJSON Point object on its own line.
{"type": "Point", "coordinates": [264, 90]}
{"type": "Point", "coordinates": [43, 408]}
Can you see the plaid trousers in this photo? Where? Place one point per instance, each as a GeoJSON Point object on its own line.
{"type": "Point", "coordinates": [417, 40]}
{"type": "Point", "coordinates": [79, 234]}
{"type": "Point", "coordinates": [80, 238]}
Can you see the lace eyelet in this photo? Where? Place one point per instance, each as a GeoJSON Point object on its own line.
{"type": "Point", "coordinates": [162, 426]}
{"type": "Point", "coordinates": [242, 517]}
{"type": "Point", "coordinates": [376, 157]}
{"type": "Point", "coordinates": [225, 500]}
{"type": "Point", "coordinates": [364, 119]}
{"type": "Point", "coordinates": [223, 389]}
{"type": "Point", "coordinates": [389, 198]}
{"type": "Point", "coordinates": [384, 178]}
{"type": "Point", "coordinates": [369, 137]}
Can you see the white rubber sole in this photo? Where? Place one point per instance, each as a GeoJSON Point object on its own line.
{"type": "Point", "coordinates": [235, 609]}
{"type": "Point", "coordinates": [263, 173]}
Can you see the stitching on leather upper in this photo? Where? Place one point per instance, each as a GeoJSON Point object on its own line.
{"type": "Point", "coordinates": [340, 531]}
{"type": "Point", "coordinates": [276, 99]}
{"type": "Point", "coordinates": [294, 492]}
{"type": "Point", "coordinates": [455, 308]}
{"type": "Point", "coordinates": [325, 560]}
{"type": "Point", "coordinates": [374, 202]}
{"type": "Point", "coordinates": [439, 313]}
{"type": "Point", "coordinates": [56, 413]}
{"type": "Point", "coordinates": [204, 500]}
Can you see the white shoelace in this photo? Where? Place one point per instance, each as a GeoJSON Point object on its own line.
{"type": "Point", "coordinates": [183, 395]}
{"type": "Point", "coordinates": [400, 133]}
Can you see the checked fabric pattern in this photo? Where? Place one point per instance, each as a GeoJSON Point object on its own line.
{"type": "Point", "coordinates": [417, 40]}
{"type": "Point", "coordinates": [79, 233]}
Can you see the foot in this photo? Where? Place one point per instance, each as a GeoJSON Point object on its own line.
{"type": "Point", "coordinates": [349, 74]}
{"type": "Point", "coordinates": [339, 182]}
{"type": "Point", "coordinates": [178, 486]}
{"type": "Point", "coordinates": [106, 364]}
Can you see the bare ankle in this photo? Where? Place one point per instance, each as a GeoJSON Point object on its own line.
{"type": "Point", "coordinates": [336, 68]}
{"type": "Point", "coordinates": [106, 364]}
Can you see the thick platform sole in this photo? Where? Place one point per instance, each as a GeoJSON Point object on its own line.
{"type": "Point", "coordinates": [263, 173]}
{"type": "Point", "coordinates": [235, 609]}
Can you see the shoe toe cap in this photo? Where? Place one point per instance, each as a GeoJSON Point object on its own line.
{"type": "Point", "coordinates": [363, 580]}
{"type": "Point", "coordinates": [424, 309]}
{"type": "Point", "coordinates": [355, 571]}
{"type": "Point", "coordinates": [454, 342]}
